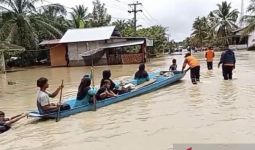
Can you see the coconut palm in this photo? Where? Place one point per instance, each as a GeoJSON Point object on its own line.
{"type": "Point", "coordinates": [224, 18]}
{"type": "Point", "coordinates": [200, 30]}
{"type": "Point", "coordinates": [53, 14]}
{"type": "Point", "coordinates": [80, 17]}
{"type": "Point", "coordinates": [22, 24]}
{"type": "Point", "coordinates": [250, 19]}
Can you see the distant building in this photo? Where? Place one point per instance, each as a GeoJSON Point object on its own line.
{"type": "Point", "coordinates": [241, 41]}
{"type": "Point", "coordinates": [100, 46]}
{"type": "Point", "coordinates": [238, 40]}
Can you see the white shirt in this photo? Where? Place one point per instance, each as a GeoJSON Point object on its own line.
{"type": "Point", "coordinates": [43, 98]}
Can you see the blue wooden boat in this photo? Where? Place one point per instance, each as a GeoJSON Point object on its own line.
{"type": "Point", "coordinates": [157, 81]}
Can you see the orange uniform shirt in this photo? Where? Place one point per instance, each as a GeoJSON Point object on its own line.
{"type": "Point", "coordinates": [209, 55]}
{"type": "Point", "coordinates": [192, 61]}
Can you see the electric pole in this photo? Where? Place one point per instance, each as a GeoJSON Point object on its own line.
{"type": "Point", "coordinates": [242, 13]}
{"type": "Point", "coordinates": [135, 11]}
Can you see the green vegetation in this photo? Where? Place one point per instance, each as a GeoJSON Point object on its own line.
{"type": "Point", "coordinates": [157, 33]}
{"type": "Point", "coordinates": [216, 28]}
{"type": "Point", "coordinates": [250, 18]}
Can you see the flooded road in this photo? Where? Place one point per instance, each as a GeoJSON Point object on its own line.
{"type": "Point", "coordinates": [214, 111]}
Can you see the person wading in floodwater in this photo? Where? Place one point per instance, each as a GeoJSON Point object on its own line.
{"type": "Point", "coordinates": [209, 55]}
{"type": "Point", "coordinates": [194, 67]}
{"type": "Point", "coordinates": [228, 61]}
{"type": "Point", "coordinates": [5, 123]}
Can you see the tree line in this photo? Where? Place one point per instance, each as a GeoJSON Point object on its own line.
{"type": "Point", "coordinates": [217, 28]}
{"type": "Point", "coordinates": [24, 24]}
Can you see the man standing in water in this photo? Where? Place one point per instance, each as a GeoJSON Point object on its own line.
{"type": "Point", "coordinates": [228, 61]}
{"type": "Point", "coordinates": [209, 55]}
{"type": "Point", "coordinates": [194, 67]}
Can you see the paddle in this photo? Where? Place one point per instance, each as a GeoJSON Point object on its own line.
{"type": "Point", "coordinates": [93, 85]}
{"type": "Point", "coordinates": [92, 78]}
{"type": "Point", "coordinates": [60, 98]}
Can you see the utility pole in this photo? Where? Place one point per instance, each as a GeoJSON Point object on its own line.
{"type": "Point", "coordinates": [242, 13]}
{"type": "Point", "coordinates": [135, 11]}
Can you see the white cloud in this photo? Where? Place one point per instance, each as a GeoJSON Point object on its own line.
{"type": "Point", "coordinates": [178, 15]}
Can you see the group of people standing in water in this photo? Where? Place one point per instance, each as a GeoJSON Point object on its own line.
{"type": "Point", "coordinates": [227, 60]}
{"type": "Point", "coordinates": [110, 89]}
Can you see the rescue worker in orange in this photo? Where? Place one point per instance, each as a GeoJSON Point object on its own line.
{"type": "Point", "coordinates": [194, 67]}
{"type": "Point", "coordinates": [209, 55]}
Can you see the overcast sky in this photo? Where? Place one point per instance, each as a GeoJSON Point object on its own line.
{"type": "Point", "coordinates": [178, 15]}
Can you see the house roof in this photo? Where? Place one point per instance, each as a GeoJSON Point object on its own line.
{"type": "Point", "coordinates": [114, 45]}
{"type": "Point", "coordinates": [49, 42]}
{"type": "Point", "coordinates": [87, 34]}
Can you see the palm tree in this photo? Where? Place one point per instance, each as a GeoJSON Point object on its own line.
{"type": "Point", "coordinates": [22, 23]}
{"type": "Point", "coordinates": [80, 17]}
{"type": "Point", "coordinates": [53, 14]}
{"type": "Point", "coordinates": [120, 24]}
{"type": "Point", "coordinates": [224, 18]}
{"type": "Point", "coordinates": [200, 30]}
{"type": "Point", "coordinates": [250, 19]}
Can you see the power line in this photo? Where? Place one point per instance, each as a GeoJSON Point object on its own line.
{"type": "Point", "coordinates": [147, 12]}
{"type": "Point", "coordinates": [150, 20]}
{"type": "Point", "coordinates": [135, 11]}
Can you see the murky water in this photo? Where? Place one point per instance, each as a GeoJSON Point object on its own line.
{"type": "Point", "coordinates": [215, 111]}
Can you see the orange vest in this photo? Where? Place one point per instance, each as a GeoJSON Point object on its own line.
{"type": "Point", "coordinates": [209, 55]}
{"type": "Point", "coordinates": [192, 61]}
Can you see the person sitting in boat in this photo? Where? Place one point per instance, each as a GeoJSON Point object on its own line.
{"type": "Point", "coordinates": [141, 75]}
{"type": "Point", "coordinates": [114, 87]}
{"type": "Point", "coordinates": [173, 67]}
{"type": "Point", "coordinates": [85, 92]}
{"type": "Point", "coordinates": [106, 76]}
{"type": "Point", "coordinates": [105, 91]}
{"type": "Point", "coordinates": [5, 123]}
{"type": "Point", "coordinates": [43, 98]}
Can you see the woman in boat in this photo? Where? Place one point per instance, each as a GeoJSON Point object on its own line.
{"type": "Point", "coordinates": [85, 92]}
{"type": "Point", "coordinates": [43, 98]}
{"type": "Point", "coordinates": [141, 75]}
{"type": "Point", "coordinates": [105, 91]}
{"type": "Point", "coordinates": [5, 123]}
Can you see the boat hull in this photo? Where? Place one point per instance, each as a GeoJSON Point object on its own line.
{"type": "Point", "coordinates": [160, 82]}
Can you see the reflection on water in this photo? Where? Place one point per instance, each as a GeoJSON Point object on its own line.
{"type": "Point", "coordinates": [213, 111]}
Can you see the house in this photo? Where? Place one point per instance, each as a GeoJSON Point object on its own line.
{"type": "Point", "coordinates": [241, 40]}
{"type": "Point", "coordinates": [97, 46]}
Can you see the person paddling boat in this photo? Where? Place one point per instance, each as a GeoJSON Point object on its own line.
{"type": "Point", "coordinates": [43, 98]}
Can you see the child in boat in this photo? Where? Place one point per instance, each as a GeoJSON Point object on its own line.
{"type": "Point", "coordinates": [105, 91]}
{"type": "Point", "coordinates": [43, 98]}
{"type": "Point", "coordinates": [141, 75]}
{"type": "Point", "coordinates": [173, 67]}
{"type": "Point", "coordinates": [5, 123]}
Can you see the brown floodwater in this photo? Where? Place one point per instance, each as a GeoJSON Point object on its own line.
{"type": "Point", "coordinates": [214, 111]}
